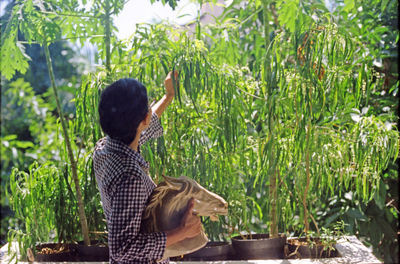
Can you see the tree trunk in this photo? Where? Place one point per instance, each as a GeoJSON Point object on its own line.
{"type": "Point", "coordinates": [81, 208]}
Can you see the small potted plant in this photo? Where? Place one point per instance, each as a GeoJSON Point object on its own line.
{"type": "Point", "coordinates": [39, 199]}
{"type": "Point", "coordinates": [316, 245]}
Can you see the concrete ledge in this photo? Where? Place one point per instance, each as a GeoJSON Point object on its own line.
{"type": "Point", "coordinates": [351, 250]}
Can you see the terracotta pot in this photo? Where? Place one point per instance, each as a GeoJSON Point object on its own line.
{"type": "Point", "coordinates": [211, 252]}
{"type": "Point", "coordinates": [55, 252]}
{"type": "Point", "coordinates": [301, 248]}
{"type": "Point", "coordinates": [258, 246]}
{"type": "Point", "coordinates": [97, 251]}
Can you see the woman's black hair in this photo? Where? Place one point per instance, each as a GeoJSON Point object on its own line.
{"type": "Point", "coordinates": [123, 105]}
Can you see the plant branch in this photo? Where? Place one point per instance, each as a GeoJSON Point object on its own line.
{"type": "Point", "coordinates": [249, 17]}
{"type": "Point", "coordinates": [63, 39]}
{"type": "Point", "coordinates": [315, 224]}
{"type": "Point", "coordinates": [68, 14]}
{"type": "Point", "coordinates": [273, 11]}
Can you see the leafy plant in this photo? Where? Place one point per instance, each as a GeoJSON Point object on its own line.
{"type": "Point", "coordinates": [289, 118]}
{"type": "Point", "coordinates": [28, 134]}
{"type": "Point", "coordinates": [33, 198]}
{"type": "Point", "coordinates": [329, 237]}
{"type": "Point", "coordinates": [43, 30]}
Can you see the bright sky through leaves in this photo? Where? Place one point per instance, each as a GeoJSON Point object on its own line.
{"type": "Point", "coordinates": [142, 11]}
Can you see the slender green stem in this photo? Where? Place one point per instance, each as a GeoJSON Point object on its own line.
{"type": "Point", "coordinates": [266, 23]}
{"type": "Point", "coordinates": [272, 180]}
{"type": "Point", "coordinates": [308, 176]}
{"type": "Point", "coordinates": [107, 38]}
{"type": "Point", "coordinates": [266, 38]}
{"type": "Point", "coordinates": [274, 197]}
{"type": "Point", "coordinates": [198, 25]}
{"type": "Point", "coordinates": [81, 208]}
{"type": "Point", "coordinates": [306, 224]}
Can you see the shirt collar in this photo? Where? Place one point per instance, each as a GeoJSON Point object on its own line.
{"type": "Point", "coordinates": [115, 145]}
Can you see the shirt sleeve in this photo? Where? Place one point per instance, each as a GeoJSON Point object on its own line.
{"type": "Point", "coordinates": [126, 241]}
{"type": "Point", "coordinates": [154, 130]}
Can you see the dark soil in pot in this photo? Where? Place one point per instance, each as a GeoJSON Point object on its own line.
{"type": "Point", "coordinates": [258, 246]}
{"type": "Point", "coordinates": [55, 252]}
{"type": "Point", "coordinates": [213, 251]}
{"type": "Point", "coordinates": [97, 251]}
{"type": "Point", "coordinates": [304, 248]}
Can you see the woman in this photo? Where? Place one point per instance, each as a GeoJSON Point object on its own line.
{"type": "Point", "coordinates": [122, 173]}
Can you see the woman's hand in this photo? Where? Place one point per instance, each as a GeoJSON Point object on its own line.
{"type": "Point", "coordinates": [191, 224]}
{"type": "Point", "coordinates": [190, 227]}
{"type": "Point", "coordinates": [161, 105]}
{"type": "Point", "coordinates": [168, 83]}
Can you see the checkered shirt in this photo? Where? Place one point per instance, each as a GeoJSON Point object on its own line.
{"type": "Point", "coordinates": [125, 186]}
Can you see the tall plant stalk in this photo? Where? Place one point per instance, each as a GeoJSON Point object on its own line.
{"type": "Point", "coordinates": [198, 25]}
{"type": "Point", "coordinates": [305, 208]}
{"type": "Point", "coordinates": [81, 208]}
{"type": "Point", "coordinates": [266, 33]}
{"type": "Point", "coordinates": [273, 194]}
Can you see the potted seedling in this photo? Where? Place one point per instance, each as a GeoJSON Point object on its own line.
{"type": "Point", "coordinates": [316, 245]}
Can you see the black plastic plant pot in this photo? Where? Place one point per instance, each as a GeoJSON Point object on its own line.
{"type": "Point", "coordinates": [55, 252]}
{"type": "Point", "coordinates": [312, 248]}
{"type": "Point", "coordinates": [259, 246]}
{"type": "Point", "coordinates": [97, 251]}
{"type": "Point", "coordinates": [212, 251]}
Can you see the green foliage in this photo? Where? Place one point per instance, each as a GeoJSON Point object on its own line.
{"type": "Point", "coordinates": [13, 57]}
{"type": "Point", "coordinates": [33, 197]}
{"type": "Point", "coordinates": [289, 14]}
{"type": "Point", "coordinates": [39, 21]}
{"type": "Point", "coordinates": [374, 222]}
{"type": "Point", "coordinates": [27, 17]}
{"type": "Point", "coordinates": [217, 125]}
{"type": "Point", "coordinates": [45, 205]}
{"type": "Point", "coordinates": [29, 133]}
{"type": "Point", "coordinates": [310, 101]}
{"type": "Point", "coordinates": [22, 110]}
{"type": "Point", "coordinates": [85, 132]}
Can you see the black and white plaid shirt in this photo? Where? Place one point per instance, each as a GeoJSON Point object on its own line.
{"type": "Point", "coordinates": [125, 186]}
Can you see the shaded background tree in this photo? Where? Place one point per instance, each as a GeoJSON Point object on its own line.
{"type": "Point", "coordinates": [28, 112]}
